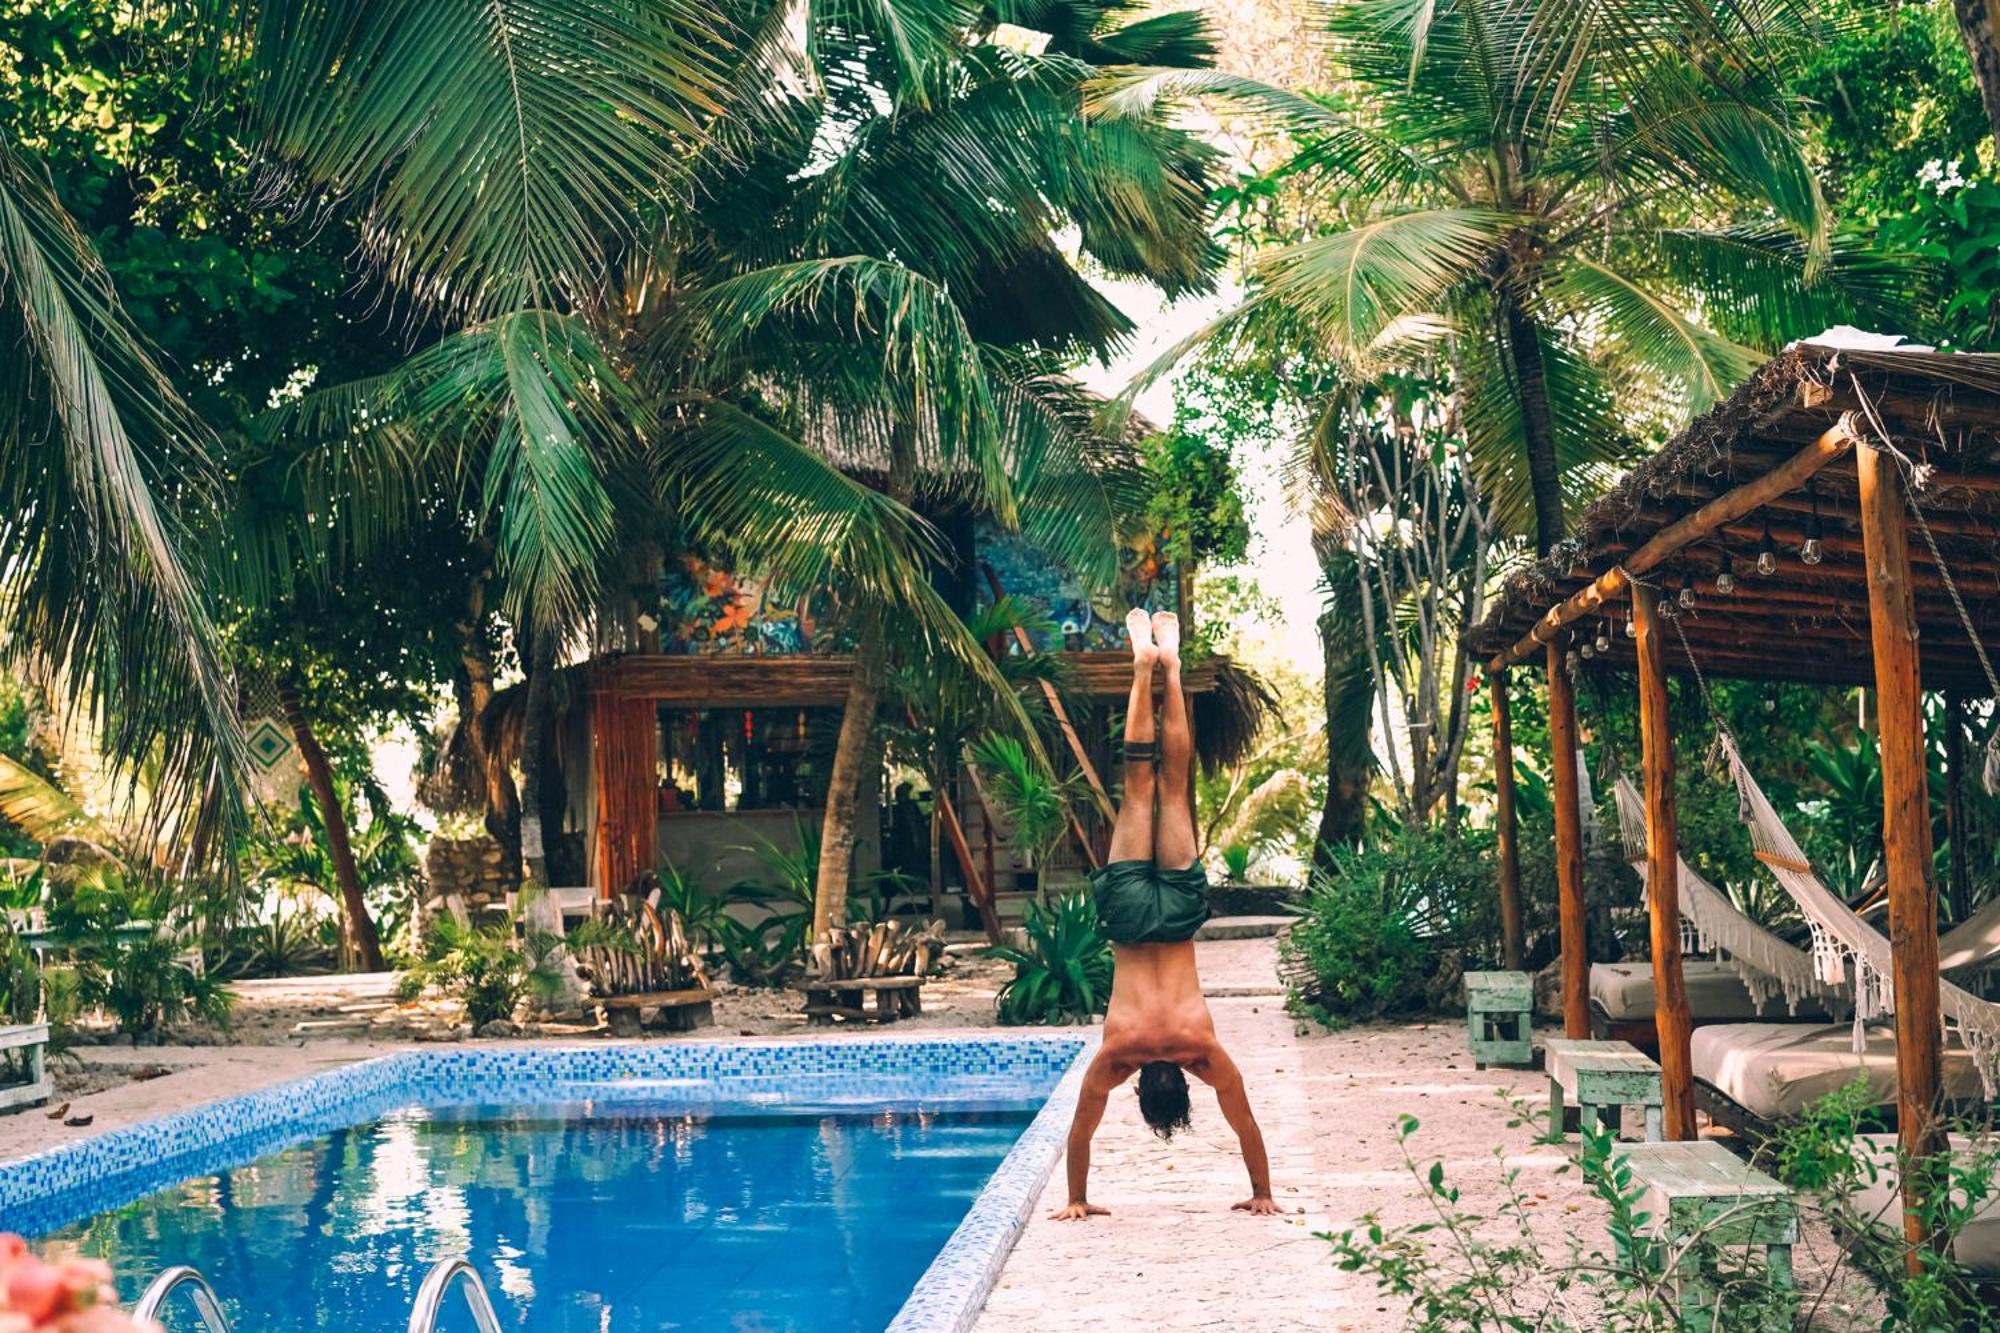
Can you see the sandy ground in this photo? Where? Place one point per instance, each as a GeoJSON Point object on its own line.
{"type": "Point", "coordinates": [1171, 1255]}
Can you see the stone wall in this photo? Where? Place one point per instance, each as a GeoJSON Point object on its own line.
{"type": "Point", "coordinates": [474, 869]}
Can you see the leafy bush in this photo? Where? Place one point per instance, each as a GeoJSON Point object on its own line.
{"type": "Point", "coordinates": [148, 982]}
{"type": "Point", "coordinates": [1063, 972]}
{"type": "Point", "coordinates": [1377, 927]}
{"type": "Point", "coordinates": [486, 968]}
{"type": "Point", "coordinates": [1236, 863]}
{"type": "Point", "coordinates": [1462, 1270]}
{"type": "Point", "coordinates": [1034, 802]}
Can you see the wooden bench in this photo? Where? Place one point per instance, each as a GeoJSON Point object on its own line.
{"type": "Point", "coordinates": [895, 997]}
{"type": "Point", "coordinates": [32, 1040]}
{"type": "Point", "coordinates": [1703, 1188]}
{"type": "Point", "coordinates": [675, 1011]}
{"type": "Point", "coordinates": [1497, 1008]}
{"type": "Point", "coordinates": [1600, 1075]}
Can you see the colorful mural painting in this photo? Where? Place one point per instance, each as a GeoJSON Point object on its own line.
{"type": "Point", "coordinates": [1082, 623]}
{"type": "Point", "coordinates": [714, 610]}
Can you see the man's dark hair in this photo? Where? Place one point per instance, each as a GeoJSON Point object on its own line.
{"type": "Point", "coordinates": [1163, 1097]}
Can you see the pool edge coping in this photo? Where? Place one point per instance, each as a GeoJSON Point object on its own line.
{"type": "Point", "coordinates": [951, 1294]}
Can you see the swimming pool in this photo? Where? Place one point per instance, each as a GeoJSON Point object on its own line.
{"type": "Point", "coordinates": [853, 1184]}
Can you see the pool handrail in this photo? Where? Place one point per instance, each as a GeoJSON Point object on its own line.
{"type": "Point", "coordinates": [206, 1303]}
{"type": "Point", "coordinates": [430, 1296]}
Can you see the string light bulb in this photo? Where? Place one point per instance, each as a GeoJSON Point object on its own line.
{"type": "Point", "coordinates": [1812, 549]}
{"type": "Point", "coordinates": [1603, 636]}
{"type": "Point", "coordinates": [1767, 552]}
{"type": "Point", "coordinates": [1631, 628]}
{"type": "Point", "coordinates": [1572, 661]}
{"type": "Point", "coordinates": [1686, 597]}
{"type": "Point", "coordinates": [1725, 578]}
{"type": "Point", "coordinates": [1589, 649]}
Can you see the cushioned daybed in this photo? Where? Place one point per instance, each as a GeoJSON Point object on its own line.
{"type": "Point", "coordinates": [1621, 1000]}
{"type": "Point", "coordinates": [1748, 1075]}
{"type": "Point", "coordinates": [1877, 1205]}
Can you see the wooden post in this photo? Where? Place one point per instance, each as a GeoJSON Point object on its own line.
{"type": "Point", "coordinates": [1569, 844]}
{"type": "Point", "coordinates": [1663, 873]}
{"type": "Point", "coordinates": [1503, 818]}
{"type": "Point", "coordinates": [1906, 824]}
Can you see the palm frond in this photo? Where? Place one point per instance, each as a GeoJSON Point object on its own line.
{"type": "Point", "coordinates": [1383, 281]}
{"type": "Point", "coordinates": [495, 149]}
{"type": "Point", "coordinates": [99, 460]}
{"type": "Point", "coordinates": [1629, 320]}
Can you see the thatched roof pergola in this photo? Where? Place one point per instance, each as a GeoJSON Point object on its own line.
{"type": "Point", "coordinates": [1675, 517]}
{"type": "Point", "coordinates": [1837, 520]}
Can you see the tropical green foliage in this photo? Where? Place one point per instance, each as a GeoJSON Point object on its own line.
{"type": "Point", "coordinates": [1377, 927]}
{"type": "Point", "coordinates": [1032, 801]}
{"type": "Point", "coordinates": [1062, 968]}
{"type": "Point", "coordinates": [490, 968]}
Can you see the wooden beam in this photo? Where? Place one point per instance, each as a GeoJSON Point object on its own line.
{"type": "Point", "coordinates": [1959, 886]}
{"type": "Point", "coordinates": [1725, 508]}
{"type": "Point", "coordinates": [1509, 838]}
{"type": "Point", "coordinates": [1906, 829]}
{"type": "Point", "coordinates": [1571, 923]}
{"type": "Point", "coordinates": [1663, 874]}
{"type": "Point", "coordinates": [980, 891]}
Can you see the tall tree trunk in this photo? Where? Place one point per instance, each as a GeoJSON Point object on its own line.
{"type": "Point", "coordinates": [359, 941]}
{"type": "Point", "coordinates": [534, 750]}
{"type": "Point", "coordinates": [1538, 423]}
{"type": "Point", "coordinates": [1350, 759]}
{"type": "Point", "coordinates": [1975, 24]}
{"type": "Point", "coordinates": [503, 802]}
{"type": "Point", "coordinates": [855, 749]}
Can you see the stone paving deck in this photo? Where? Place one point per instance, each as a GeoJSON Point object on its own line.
{"type": "Point", "coordinates": [1172, 1255]}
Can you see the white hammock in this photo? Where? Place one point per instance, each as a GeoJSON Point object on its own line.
{"type": "Point", "coordinates": [1768, 965]}
{"type": "Point", "coordinates": [1843, 941]}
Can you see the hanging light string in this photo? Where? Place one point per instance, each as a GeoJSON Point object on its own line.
{"type": "Point", "coordinates": [1914, 476]}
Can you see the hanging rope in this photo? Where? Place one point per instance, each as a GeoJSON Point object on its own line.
{"type": "Point", "coordinates": [1913, 477]}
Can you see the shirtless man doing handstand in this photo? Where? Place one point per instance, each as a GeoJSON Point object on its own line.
{"type": "Point", "coordinates": [1151, 898]}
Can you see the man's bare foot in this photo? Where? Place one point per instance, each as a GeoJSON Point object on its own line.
{"type": "Point", "coordinates": [1166, 627]}
{"type": "Point", "coordinates": [1258, 1206]}
{"type": "Point", "coordinates": [1139, 629]}
{"type": "Point", "coordinates": [1077, 1212]}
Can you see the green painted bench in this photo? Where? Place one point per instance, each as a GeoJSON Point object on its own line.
{"type": "Point", "coordinates": [1598, 1076]}
{"type": "Point", "coordinates": [1497, 1017]}
{"type": "Point", "coordinates": [31, 1086]}
{"type": "Point", "coordinates": [1702, 1187]}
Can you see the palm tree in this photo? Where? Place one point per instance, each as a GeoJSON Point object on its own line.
{"type": "Point", "coordinates": [101, 589]}
{"type": "Point", "coordinates": [1603, 211]}
{"type": "Point", "coordinates": [695, 269]}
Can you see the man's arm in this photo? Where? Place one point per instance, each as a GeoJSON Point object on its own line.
{"type": "Point", "coordinates": [1221, 1073]}
{"type": "Point", "coordinates": [1098, 1082]}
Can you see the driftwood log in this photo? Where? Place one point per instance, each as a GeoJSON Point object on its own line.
{"type": "Point", "coordinates": [648, 964]}
{"type": "Point", "coordinates": [886, 960]}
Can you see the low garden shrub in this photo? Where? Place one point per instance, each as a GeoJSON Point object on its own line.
{"type": "Point", "coordinates": [1378, 927]}
{"type": "Point", "coordinates": [1062, 972]}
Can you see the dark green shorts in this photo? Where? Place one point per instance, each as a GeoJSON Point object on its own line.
{"type": "Point", "coordinates": [1139, 903]}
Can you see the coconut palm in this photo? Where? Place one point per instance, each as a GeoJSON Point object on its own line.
{"type": "Point", "coordinates": [99, 461]}
{"type": "Point", "coordinates": [1604, 211]}
{"type": "Point", "coordinates": [704, 273]}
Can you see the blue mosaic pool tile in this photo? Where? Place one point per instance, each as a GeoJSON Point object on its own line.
{"type": "Point", "coordinates": [50, 1189]}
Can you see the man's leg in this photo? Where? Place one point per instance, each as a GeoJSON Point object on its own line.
{"type": "Point", "coordinates": [1132, 834]}
{"type": "Point", "coordinates": [1173, 836]}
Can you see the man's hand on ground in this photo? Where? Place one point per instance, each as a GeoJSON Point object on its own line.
{"type": "Point", "coordinates": [1077, 1212]}
{"type": "Point", "coordinates": [1259, 1205]}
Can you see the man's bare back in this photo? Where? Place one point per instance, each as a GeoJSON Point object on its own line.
{"type": "Point", "coordinates": [1151, 897]}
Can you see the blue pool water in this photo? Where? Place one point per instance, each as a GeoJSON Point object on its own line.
{"type": "Point", "coordinates": [583, 1217]}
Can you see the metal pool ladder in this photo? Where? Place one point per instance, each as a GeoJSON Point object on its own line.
{"type": "Point", "coordinates": [437, 1284]}
{"type": "Point", "coordinates": [172, 1280]}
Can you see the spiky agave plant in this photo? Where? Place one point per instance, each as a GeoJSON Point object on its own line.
{"type": "Point", "coordinates": [1063, 967]}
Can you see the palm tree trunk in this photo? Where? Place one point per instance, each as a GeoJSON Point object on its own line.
{"type": "Point", "coordinates": [1538, 423]}
{"type": "Point", "coordinates": [855, 749]}
{"type": "Point", "coordinates": [357, 929]}
{"type": "Point", "coordinates": [1975, 24]}
{"type": "Point", "coordinates": [534, 748]}
{"type": "Point", "coordinates": [503, 802]}
{"type": "Point", "coordinates": [1350, 758]}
